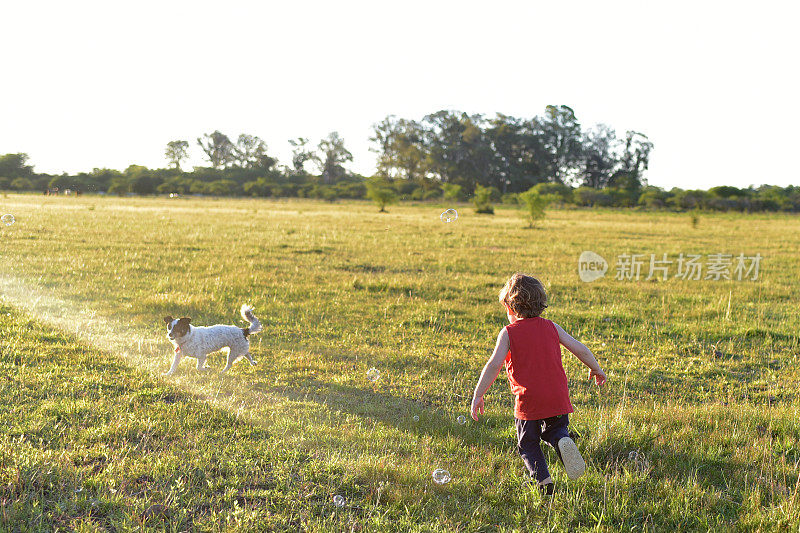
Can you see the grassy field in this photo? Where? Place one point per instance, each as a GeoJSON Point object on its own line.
{"type": "Point", "coordinates": [697, 428]}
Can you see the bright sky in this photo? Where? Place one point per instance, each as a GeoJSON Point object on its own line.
{"type": "Point", "coordinates": [106, 84]}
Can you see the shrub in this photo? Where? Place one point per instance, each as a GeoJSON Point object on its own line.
{"type": "Point", "coordinates": [555, 192]}
{"type": "Point", "coordinates": [589, 196]}
{"type": "Point", "coordinates": [510, 198]}
{"type": "Point", "coordinates": [381, 192]}
{"type": "Point", "coordinates": [653, 198]}
{"type": "Point", "coordinates": [483, 200]}
{"type": "Point", "coordinates": [22, 184]}
{"type": "Point", "coordinates": [535, 205]}
{"type": "Point", "coordinates": [452, 192]}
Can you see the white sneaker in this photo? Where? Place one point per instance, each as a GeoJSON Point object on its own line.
{"type": "Point", "coordinates": [571, 457]}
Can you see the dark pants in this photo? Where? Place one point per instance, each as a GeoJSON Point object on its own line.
{"type": "Point", "coordinates": [530, 432]}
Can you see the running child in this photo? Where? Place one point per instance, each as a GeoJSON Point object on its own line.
{"type": "Point", "coordinates": [530, 348]}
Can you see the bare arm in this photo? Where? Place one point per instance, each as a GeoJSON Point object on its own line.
{"type": "Point", "coordinates": [583, 353]}
{"type": "Point", "coordinates": [490, 371]}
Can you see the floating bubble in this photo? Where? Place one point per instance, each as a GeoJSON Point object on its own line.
{"type": "Point", "coordinates": [373, 374]}
{"type": "Point", "coordinates": [416, 418]}
{"type": "Point", "coordinates": [450, 215]}
{"type": "Point", "coordinates": [639, 460]}
{"type": "Point", "coordinates": [441, 476]}
{"type": "Point", "coordinates": [461, 419]}
{"type": "Point", "coordinates": [338, 500]}
{"type": "Point", "coordinates": [8, 219]}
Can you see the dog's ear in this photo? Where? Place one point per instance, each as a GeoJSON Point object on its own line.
{"type": "Point", "coordinates": [186, 320]}
{"type": "Point", "coordinates": [167, 319]}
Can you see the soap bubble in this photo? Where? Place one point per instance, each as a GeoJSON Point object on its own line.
{"type": "Point", "coordinates": [639, 461]}
{"type": "Point", "coordinates": [338, 500]}
{"type": "Point", "coordinates": [373, 374]}
{"type": "Point", "coordinates": [416, 418]}
{"type": "Point", "coordinates": [461, 419]}
{"type": "Point", "coordinates": [441, 476]}
{"type": "Point", "coordinates": [450, 215]}
{"type": "Point", "coordinates": [8, 219]}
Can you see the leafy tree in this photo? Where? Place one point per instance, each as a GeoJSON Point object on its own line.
{"type": "Point", "coordinates": [176, 152]}
{"type": "Point", "coordinates": [635, 155]}
{"type": "Point", "coordinates": [458, 150]}
{"type": "Point", "coordinates": [14, 166]}
{"type": "Point", "coordinates": [688, 199]}
{"type": "Point", "coordinates": [598, 156]}
{"type": "Point", "coordinates": [653, 198]}
{"type": "Point", "coordinates": [62, 182]}
{"type": "Point", "coordinates": [251, 152]}
{"type": "Point", "coordinates": [554, 193]}
{"type": "Point", "coordinates": [518, 153]}
{"type": "Point", "coordinates": [22, 184]}
{"type": "Point", "coordinates": [259, 187]}
{"type": "Point", "coordinates": [218, 148]}
{"type": "Point", "coordinates": [143, 184]}
{"type": "Point", "coordinates": [119, 186]}
{"type": "Point", "coordinates": [726, 191]}
{"type": "Point", "coordinates": [301, 154]}
{"type": "Point", "coordinates": [381, 192]}
{"type": "Point", "coordinates": [452, 192]}
{"type": "Point", "coordinates": [534, 204]}
{"type": "Point", "coordinates": [590, 197]}
{"type": "Point", "coordinates": [560, 134]}
{"type": "Point", "coordinates": [482, 200]}
{"type": "Point", "coordinates": [400, 148]}
{"type": "Point", "coordinates": [178, 184]}
{"type": "Point", "coordinates": [332, 156]}
{"type": "Point", "coordinates": [222, 188]}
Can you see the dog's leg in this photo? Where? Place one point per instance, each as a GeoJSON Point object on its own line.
{"type": "Point", "coordinates": [231, 358]}
{"type": "Point", "coordinates": [250, 358]}
{"type": "Point", "coordinates": [201, 363]}
{"type": "Point", "coordinates": [174, 364]}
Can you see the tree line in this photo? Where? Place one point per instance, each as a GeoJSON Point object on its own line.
{"type": "Point", "coordinates": [447, 155]}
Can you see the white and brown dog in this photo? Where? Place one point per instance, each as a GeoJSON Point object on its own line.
{"type": "Point", "coordinates": [199, 341]}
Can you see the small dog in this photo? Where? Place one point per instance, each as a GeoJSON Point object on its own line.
{"type": "Point", "coordinates": [199, 341]}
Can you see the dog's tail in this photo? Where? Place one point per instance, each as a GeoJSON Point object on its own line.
{"type": "Point", "coordinates": [247, 314]}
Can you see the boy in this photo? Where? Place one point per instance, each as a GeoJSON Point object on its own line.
{"type": "Point", "coordinates": [530, 348]}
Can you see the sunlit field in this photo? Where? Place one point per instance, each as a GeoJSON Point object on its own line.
{"type": "Point", "coordinates": [697, 428]}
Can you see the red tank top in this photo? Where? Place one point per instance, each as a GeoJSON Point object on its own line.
{"type": "Point", "coordinates": [535, 371]}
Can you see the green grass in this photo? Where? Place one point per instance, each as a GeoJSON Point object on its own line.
{"type": "Point", "coordinates": [340, 289]}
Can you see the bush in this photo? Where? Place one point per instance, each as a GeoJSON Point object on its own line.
{"type": "Point", "coordinates": [432, 194]}
{"type": "Point", "coordinates": [119, 186]}
{"type": "Point", "coordinates": [483, 200]}
{"type": "Point", "coordinates": [555, 192]}
{"type": "Point", "coordinates": [653, 198]}
{"type": "Point", "coordinates": [22, 184]}
{"type": "Point", "coordinates": [381, 192]}
{"type": "Point", "coordinates": [324, 192]}
{"type": "Point", "coordinates": [688, 199]}
{"type": "Point", "coordinates": [589, 196]}
{"type": "Point", "coordinates": [621, 197]}
{"type": "Point", "coordinates": [452, 192]}
{"type": "Point", "coordinates": [510, 198]}
{"type": "Point", "coordinates": [351, 189]}
{"type": "Point", "coordinates": [535, 205]}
